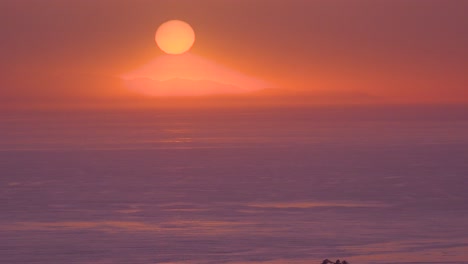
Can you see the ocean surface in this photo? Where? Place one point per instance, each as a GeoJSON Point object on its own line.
{"type": "Point", "coordinates": [252, 185]}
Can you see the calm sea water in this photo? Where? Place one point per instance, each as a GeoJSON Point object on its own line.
{"type": "Point", "coordinates": [367, 184]}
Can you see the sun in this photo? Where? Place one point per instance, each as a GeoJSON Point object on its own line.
{"type": "Point", "coordinates": [186, 74]}
{"type": "Point", "coordinates": [175, 37]}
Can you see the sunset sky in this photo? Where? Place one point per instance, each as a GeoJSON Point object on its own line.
{"type": "Point", "coordinates": [56, 51]}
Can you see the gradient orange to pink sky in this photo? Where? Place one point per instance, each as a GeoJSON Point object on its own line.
{"type": "Point", "coordinates": [58, 52]}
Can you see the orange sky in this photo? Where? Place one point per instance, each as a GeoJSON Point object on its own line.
{"type": "Point", "coordinates": [56, 51]}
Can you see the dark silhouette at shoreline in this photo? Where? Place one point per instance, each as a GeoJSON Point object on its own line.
{"type": "Point", "coordinates": [327, 261]}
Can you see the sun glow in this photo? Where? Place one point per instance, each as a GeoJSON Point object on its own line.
{"type": "Point", "coordinates": [180, 73]}
{"type": "Point", "coordinates": [175, 37]}
{"type": "Point", "coordinates": [189, 75]}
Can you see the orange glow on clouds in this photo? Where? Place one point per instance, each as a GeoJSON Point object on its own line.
{"type": "Point", "coordinates": [189, 75]}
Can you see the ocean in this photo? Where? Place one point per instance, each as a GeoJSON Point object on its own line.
{"type": "Point", "coordinates": [369, 184]}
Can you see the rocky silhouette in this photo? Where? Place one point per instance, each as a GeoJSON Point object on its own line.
{"type": "Point", "coordinates": [327, 261]}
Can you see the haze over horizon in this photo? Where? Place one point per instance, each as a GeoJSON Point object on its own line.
{"type": "Point", "coordinates": [392, 51]}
